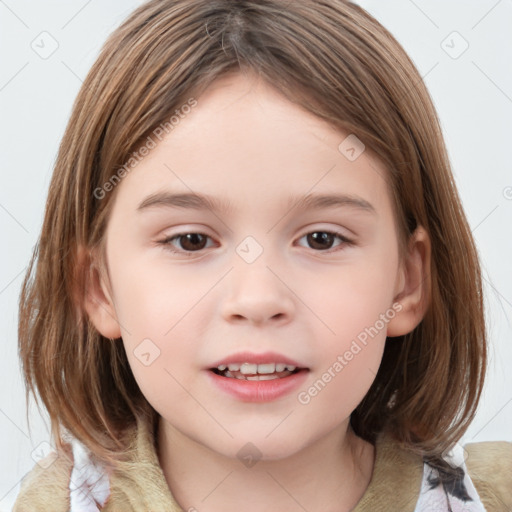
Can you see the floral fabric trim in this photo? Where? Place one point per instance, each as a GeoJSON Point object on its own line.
{"type": "Point", "coordinates": [443, 493]}
{"type": "Point", "coordinates": [89, 485]}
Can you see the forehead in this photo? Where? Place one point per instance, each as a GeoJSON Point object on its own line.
{"type": "Point", "coordinates": [239, 110]}
{"type": "Point", "coordinates": [248, 145]}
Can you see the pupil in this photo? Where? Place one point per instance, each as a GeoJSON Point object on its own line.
{"type": "Point", "coordinates": [191, 241]}
{"type": "Point", "coordinates": [313, 239]}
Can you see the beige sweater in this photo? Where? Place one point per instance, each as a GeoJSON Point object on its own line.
{"type": "Point", "coordinates": [395, 484]}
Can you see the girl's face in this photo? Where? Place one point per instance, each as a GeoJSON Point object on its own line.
{"type": "Point", "coordinates": [264, 273]}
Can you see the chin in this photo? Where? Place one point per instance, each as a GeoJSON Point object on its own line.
{"type": "Point", "coordinates": [247, 447]}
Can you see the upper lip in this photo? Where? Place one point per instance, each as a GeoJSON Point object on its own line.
{"type": "Point", "coordinates": [254, 358]}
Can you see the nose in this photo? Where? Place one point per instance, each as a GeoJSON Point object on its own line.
{"type": "Point", "coordinates": [257, 294]}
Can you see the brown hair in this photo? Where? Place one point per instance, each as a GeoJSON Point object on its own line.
{"type": "Point", "coordinates": [337, 62]}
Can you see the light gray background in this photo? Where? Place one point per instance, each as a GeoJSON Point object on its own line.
{"type": "Point", "coordinates": [473, 95]}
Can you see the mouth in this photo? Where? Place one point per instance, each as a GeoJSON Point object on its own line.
{"type": "Point", "coordinates": [251, 377]}
{"type": "Point", "coordinates": [256, 372]}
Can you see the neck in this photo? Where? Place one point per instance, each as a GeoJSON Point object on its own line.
{"type": "Point", "coordinates": [330, 475]}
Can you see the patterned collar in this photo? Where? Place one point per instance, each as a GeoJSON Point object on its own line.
{"type": "Point", "coordinates": [400, 480]}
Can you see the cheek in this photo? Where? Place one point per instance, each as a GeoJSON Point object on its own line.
{"type": "Point", "coordinates": [158, 318]}
{"type": "Point", "coordinates": [341, 385]}
{"type": "Point", "coordinates": [162, 365]}
{"type": "Point", "coordinates": [152, 298]}
{"type": "Point", "coordinates": [355, 310]}
{"type": "Point", "coordinates": [352, 298]}
{"type": "Point", "coordinates": [354, 304]}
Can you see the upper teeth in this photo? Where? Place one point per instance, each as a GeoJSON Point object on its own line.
{"type": "Point", "coordinates": [248, 368]}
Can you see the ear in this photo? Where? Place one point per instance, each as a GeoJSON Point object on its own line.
{"type": "Point", "coordinates": [413, 285]}
{"type": "Point", "coordinates": [97, 299]}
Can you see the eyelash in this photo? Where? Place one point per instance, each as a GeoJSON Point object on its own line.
{"type": "Point", "coordinates": [167, 246]}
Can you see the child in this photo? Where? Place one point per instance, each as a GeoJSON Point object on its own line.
{"type": "Point", "coordinates": [324, 349]}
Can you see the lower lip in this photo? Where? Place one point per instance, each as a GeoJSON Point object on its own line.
{"type": "Point", "coordinates": [259, 390]}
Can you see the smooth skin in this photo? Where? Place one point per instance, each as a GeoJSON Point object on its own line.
{"type": "Point", "coordinates": [304, 297]}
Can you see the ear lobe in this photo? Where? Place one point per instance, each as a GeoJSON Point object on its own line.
{"type": "Point", "coordinates": [413, 285]}
{"type": "Point", "coordinates": [97, 298]}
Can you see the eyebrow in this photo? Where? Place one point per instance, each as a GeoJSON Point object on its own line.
{"type": "Point", "coordinates": [205, 202]}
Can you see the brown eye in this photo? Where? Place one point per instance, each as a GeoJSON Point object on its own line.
{"type": "Point", "coordinates": [324, 240]}
{"type": "Point", "coordinates": [187, 243]}
{"type": "Point", "coordinates": [192, 241]}
{"type": "Point", "coordinates": [320, 239]}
